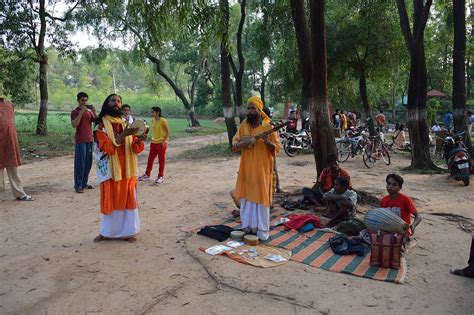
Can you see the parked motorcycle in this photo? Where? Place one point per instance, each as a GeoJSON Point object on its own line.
{"type": "Point", "coordinates": [295, 142]}
{"type": "Point", "coordinates": [457, 157]}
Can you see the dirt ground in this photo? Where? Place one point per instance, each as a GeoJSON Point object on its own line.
{"type": "Point", "coordinates": [49, 264]}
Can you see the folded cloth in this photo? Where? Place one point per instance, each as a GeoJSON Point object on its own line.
{"type": "Point", "coordinates": [307, 227]}
{"type": "Point", "coordinates": [217, 232]}
{"type": "Point", "coordinates": [299, 220]}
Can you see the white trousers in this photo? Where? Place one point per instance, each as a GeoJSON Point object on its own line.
{"type": "Point", "coordinates": [15, 181]}
{"type": "Point", "coordinates": [255, 218]}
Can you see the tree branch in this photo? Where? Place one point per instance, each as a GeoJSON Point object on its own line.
{"type": "Point", "coordinates": [405, 25]}
{"type": "Point", "coordinates": [424, 18]}
{"type": "Point", "coordinates": [67, 15]}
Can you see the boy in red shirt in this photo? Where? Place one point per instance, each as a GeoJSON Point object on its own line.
{"type": "Point", "coordinates": [400, 203]}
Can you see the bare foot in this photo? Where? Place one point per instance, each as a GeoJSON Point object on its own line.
{"type": "Point", "coordinates": [100, 238]}
{"type": "Point", "coordinates": [132, 239]}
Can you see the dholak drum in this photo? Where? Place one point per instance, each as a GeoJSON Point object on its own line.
{"type": "Point", "coordinates": [141, 127]}
{"type": "Point", "coordinates": [385, 220]}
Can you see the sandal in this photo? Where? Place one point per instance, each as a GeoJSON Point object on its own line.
{"type": "Point", "coordinates": [25, 198]}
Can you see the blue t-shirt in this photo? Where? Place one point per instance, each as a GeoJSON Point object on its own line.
{"type": "Point", "coordinates": [447, 118]}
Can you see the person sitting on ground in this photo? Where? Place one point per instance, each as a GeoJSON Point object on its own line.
{"type": "Point", "coordinates": [401, 204]}
{"type": "Point", "coordinates": [399, 138]}
{"type": "Point", "coordinates": [326, 181]}
{"type": "Point", "coordinates": [341, 201]}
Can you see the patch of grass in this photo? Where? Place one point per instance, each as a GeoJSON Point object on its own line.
{"type": "Point", "coordinates": [60, 138]}
{"type": "Point", "coordinates": [212, 150]}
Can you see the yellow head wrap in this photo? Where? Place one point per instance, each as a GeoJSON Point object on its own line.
{"type": "Point", "coordinates": [257, 101]}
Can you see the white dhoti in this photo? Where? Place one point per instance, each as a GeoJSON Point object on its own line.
{"type": "Point", "coordinates": [120, 224]}
{"type": "Point", "coordinates": [255, 218]}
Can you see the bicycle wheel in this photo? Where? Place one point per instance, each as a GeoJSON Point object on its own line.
{"type": "Point", "coordinates": [369, 161]}
{"type": "Point", "coordinates": [385, 155]}
{"type": "Point", "coordinates": [343, 150]}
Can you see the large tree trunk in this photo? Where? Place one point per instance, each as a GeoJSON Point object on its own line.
{"type": "Point", "coordinates": [225, 76]}
{"type": "Point", "coordinates": [459, 71]}
{"type": "Point", "coordinates": [239, 73]}
{"type": "Point", "coordinates": [321, 129]}
{"type": "Point", "coordinates": [365, 102]}
{"type": "Point", "coordinates": [42, 58]}
{"type": "Point", "coordinates": [417, 117]}
{"type": "Point", "coordinates": [42, 126]}
{"type": "Point", "coordinates": [417, 85]}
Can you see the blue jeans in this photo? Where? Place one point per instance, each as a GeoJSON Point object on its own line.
{"type": "Point", "coordinates": [82, 164]}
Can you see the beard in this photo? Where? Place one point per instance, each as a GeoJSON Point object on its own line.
{"type": "Point", "coordinates": [253, 119]}
{"type": "Point", "coordinates": [114, 111]}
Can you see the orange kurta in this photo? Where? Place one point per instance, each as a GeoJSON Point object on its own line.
{"type": "Point", "coordinates": [9, 149]}
{"type": "Point", "coordinates": [255, 179]}
{"type": "Point", "coordinates": [118, 195]}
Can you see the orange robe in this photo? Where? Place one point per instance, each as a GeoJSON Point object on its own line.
{"type": "Point", "coordinates": [9, 148]}
{"type": "Point", "coordinates": [255, 179]}
{"type": "Point", "coordinates": [117, 195]}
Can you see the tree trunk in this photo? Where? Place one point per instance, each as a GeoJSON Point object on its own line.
{"type": "Point", "coordinates": [365, 102]}
{"type": "Point", "coordinates": [262, 90]}
{"type": "Point", "coordinates": [42, 126]}
{"type": "Point", "coordinates": [225, 76]}
{"type": "Point", "coordinates": [239, 73]}
{"type": "Point", "coordinates": [42, 58]}
{"type": "Point", "coordinates": [468, 78]}
{"type": "Point", "coordinates": [417, 85]}
{"type": "Point", "coordinates": [321, 129]}
{"type": "Point", "coordinates": [459, 71]}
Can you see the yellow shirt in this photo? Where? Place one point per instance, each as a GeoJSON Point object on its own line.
{"type": "Point", "coordinates": [255, 178]}
{"type": "Point", "coordinates": [160, 130]}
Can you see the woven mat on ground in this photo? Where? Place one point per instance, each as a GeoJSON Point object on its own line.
{"type": "Point", "coordinates": [259, 261]}
{"type": "Point", "coordinates": [312, 248]}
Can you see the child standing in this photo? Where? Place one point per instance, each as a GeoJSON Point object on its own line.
{"type": "Point", "coordinates": [158, 146]}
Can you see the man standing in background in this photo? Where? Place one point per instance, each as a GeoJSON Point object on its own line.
{"type": "Point", "coordinates": [129, 119]}
{"type": "Point", "coordinates": [10, 151]}
{"type": "Point", "coordinates": [82, 118]}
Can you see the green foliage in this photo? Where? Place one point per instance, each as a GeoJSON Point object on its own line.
{"type": "Point", "coordinates": [18, 78]}
{"type": "Point", "coordinates": [433, 107]}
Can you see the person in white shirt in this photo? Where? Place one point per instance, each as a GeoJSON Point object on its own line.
{"type": "Point", "coordinates": [436, 127]}
{"type": "Point", "coordinates": [129, 119]}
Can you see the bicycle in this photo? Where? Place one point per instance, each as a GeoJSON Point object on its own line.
{"type": "Point", "coordinates": [350, 145]}
{"type": "Point", "coordinates": [375, 149]}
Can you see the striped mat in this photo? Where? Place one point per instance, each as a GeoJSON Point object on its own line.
{"type": "Point", "coordinates": [312, 248]}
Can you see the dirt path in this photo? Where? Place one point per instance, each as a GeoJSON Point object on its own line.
{"type": "Point", "coordinates": [49, 264]}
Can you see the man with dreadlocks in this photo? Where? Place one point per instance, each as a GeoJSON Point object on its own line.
{"type": "Point", "coordinates": [254, 182]}
{"type": "Point", "coordinates": [118, 195]}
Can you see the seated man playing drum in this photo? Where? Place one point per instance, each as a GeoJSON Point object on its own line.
{"type": "Point", "coordinates": [341, 202]}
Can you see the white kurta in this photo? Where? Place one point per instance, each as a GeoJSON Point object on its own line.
{"type": "Point", "coordinates": [255, 218]}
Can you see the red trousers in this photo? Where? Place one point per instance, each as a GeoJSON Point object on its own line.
{"type": "Point", "coordinates": [157, 149]}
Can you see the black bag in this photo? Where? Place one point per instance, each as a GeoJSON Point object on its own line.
{"type": "Point", "coordinates": [342, 245]}
{"type": "Point", "coordinates": [217, 232]}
